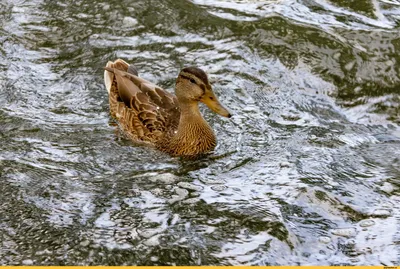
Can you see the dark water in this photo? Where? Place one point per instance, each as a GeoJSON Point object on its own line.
{"type": "Point", "coordinates": [305, 173]}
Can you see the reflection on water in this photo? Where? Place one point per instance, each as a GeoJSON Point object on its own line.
{"type": "Point", "coordinates": [305, 173]}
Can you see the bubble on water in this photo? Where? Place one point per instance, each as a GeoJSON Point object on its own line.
{"type": "Point", "coordinates": [27, 262]}
{"type": "Point", "coordinates": [153, 241]}
{"type": "Point", "coordinates": [349, 65]}
{"type": "Point", "coordinates": [367, 223]}
{"type": "Point", "coordinates": [324, 239]}
{"type": "Point", "coordinates": [129, 22]}
{"type": "Point", "coordinates": [84, 243]}
{"type": "Point", "coordinates": [191, 201]}
{"type": "Point", "coordinates": [219, 188]}
{"type": "Point", "coordinates": [387, 187]}
{"type": "Point", "coordinates": [351, 243]}
{"type": "Point", "coordinates": [336, 56]}
{"type": "Point", "coordinates": [166, 178]}
{"type": "Point", "coordinates": [181, 192]}
{"type": "Point", "coordinates": [195, 194]}
{"type": "Point", "coordinates": [383, 213]}
{"type": "Point", "coordinates": [389, 63]}
{"type": "Point", "coordinates": [284, 164]}
{"type": "Point", "coordinates": [345, 232]}
{"type": "Point", "coordinates": [259, 182]}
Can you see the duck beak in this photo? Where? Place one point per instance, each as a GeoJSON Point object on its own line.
{"type": "Point", "coordinates": [212, 102]}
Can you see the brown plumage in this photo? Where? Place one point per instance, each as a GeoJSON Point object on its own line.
{"type": "Point", "coordinates": [149, 114]}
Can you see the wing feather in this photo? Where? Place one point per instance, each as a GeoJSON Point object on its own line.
{"type": "Point", "coordinates": [143, 109]}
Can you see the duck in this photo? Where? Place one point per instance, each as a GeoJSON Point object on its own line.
{"type": "Point", "coordinates": [172, 123]}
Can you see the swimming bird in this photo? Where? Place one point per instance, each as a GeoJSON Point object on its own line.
{"type": "Point", "coordinates": [151, 115]}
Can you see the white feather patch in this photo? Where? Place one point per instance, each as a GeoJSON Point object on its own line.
{"type": "Point", "coordinates": [108, 78]}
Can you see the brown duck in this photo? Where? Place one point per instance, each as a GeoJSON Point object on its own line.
{"type": "Point", "coordinates": [149, 114]}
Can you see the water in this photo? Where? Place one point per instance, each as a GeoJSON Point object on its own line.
{"type": "Point", "coordinates": [306, 172]}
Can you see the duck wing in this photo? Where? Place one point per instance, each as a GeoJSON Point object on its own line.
{"type": "Point", "coordinates": [145, 111]}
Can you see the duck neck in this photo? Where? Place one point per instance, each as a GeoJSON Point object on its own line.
{"type": "Point", "coordinates": [190, 117]}
{"type": "Point", "coordinates": [189, 112]}
{"type": "Point", "coordinates": [194, 135]}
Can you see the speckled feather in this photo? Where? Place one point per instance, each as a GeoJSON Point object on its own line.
{"type": "Point", "coordinates": [152, 115]}
{"type": "Point", "coordinates": [139, 105]}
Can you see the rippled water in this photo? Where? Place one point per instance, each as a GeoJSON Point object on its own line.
{"type": "Point", "coordinates": [306, 172]}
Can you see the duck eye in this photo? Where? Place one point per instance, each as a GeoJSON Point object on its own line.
{"type": "Point", "coordinates": [193, 81]}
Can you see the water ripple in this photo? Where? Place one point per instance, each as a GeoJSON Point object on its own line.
{"type": "Point", "coordinates": [305, 172]}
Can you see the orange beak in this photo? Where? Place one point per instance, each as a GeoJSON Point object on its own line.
{"type": "Point", "coordinates": [211, 100]}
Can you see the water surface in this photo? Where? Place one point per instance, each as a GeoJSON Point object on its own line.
{"type": "Point", "coordinates": [306, 172]}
